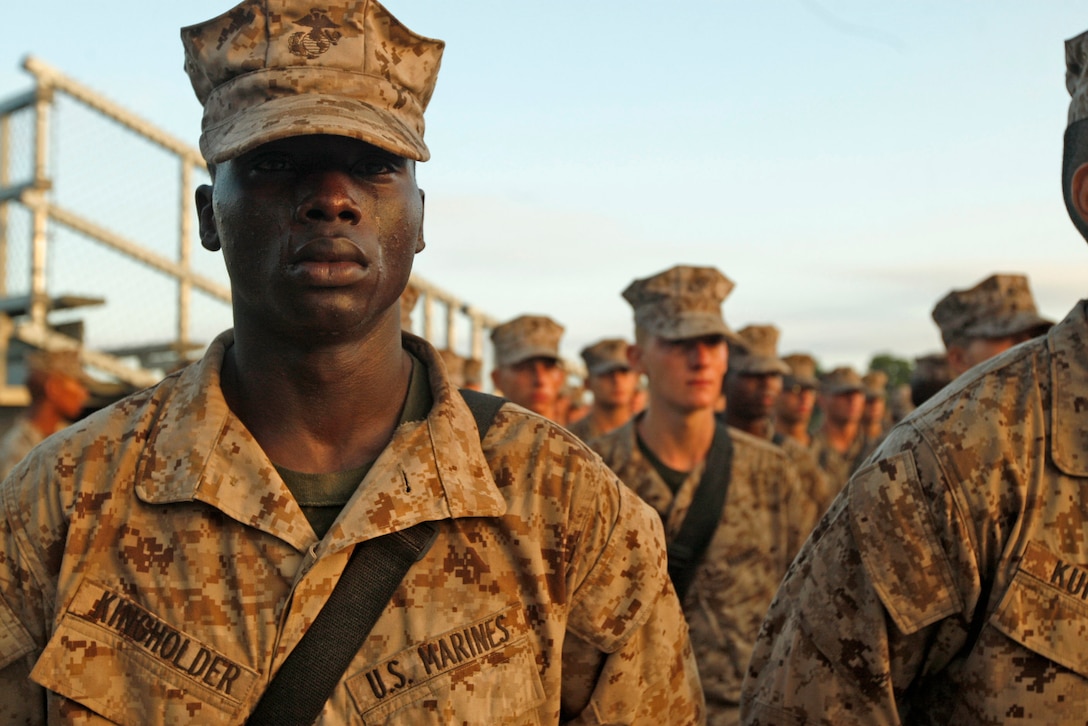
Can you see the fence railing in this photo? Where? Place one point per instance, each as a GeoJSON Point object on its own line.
{"type": "Point", "coordinates": [97, 238]}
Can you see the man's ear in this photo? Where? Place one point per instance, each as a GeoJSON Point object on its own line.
{"type": "Point", "coordinates": [957, 356]}
{"type": "Point", "coordinates": [209, 234]}
{"type": "Point", "coordinates": [420, 244]}
{"type": "Point", "coordinates": [1079, 188]}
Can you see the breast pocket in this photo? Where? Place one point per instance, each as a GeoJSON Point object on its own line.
{"type": "Point", "coordinates": [122, 662]}
{"type": "Point", "coordinates": [1046, 609]}
{"type": "Point", "coordinates": [1030, 662]}
{"type": "Point", "coordinates": [485, 673]}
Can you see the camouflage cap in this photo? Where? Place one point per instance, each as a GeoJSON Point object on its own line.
{"type": "Point", "coordinates": [681, 302]}
{"type": "Point", "coordinates": [843, 379]}
{"type": "Point", "coordinates": [272, 69]}
{"type": "Point", "coordinates": [931, 373]}
{"type": "Point", "coordinates": [606, 356]}
{"type": "Point", "coordinates": [525, 337]}
{"type": "Point", "coordinates": [759, 354]}
{"type": "Point", "coordinates": [999, 306]}
{"type": "Point", "coordinates": [932, 367]}
{"type": "Point", "coordinates": [59, 362]}
{"type": "Point", "coordinates": [1076, 66]}
{"type": "Point", "coordinates": [876, 384]}
{"type": "Point", "coordinates": [802, 370]}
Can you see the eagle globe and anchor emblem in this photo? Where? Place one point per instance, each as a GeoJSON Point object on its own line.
{"type": "Point", "coordinates": [310, 44]}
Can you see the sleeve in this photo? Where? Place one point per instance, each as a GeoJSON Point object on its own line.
{"type": "Point", "coordinates": [628, 657]}
{"type": "Point", "coordinates": [21, 600]}
{"type": "Point", "coordinates": [879, 597]}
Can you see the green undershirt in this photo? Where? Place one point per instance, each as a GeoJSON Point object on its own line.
{"type": "Point", "coordinates": [673, 479]}
{"type": "Point", "coordinates": [323, 496]}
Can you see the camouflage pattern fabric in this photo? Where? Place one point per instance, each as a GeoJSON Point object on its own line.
{"type": "Point", "coordinates": [948, 584]}
{"type": "Point", "coordinates": [156, 570]}
{"type": "Point", "coordinates": [585, 429]}
{"type": "Point", "coordinates": [17, 443]}
{"type": "Point", "coordinates": [836, 465]}
{"type": "Point", "coordinates": [765, 519]}
{"type": "Point", "coordinates": [812, 478]}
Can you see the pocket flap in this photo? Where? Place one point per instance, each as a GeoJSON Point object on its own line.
{"type": "Point", "coordinates": [480, 674]}
{"type": "Point", "coordinates": [106, 648]}
{"type": "Point", "coordinates": [1046, 608]}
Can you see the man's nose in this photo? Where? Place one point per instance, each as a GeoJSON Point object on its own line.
{"type": "Point", "coordinates": [328, 198]}
{"type": "Point", "coordinates": [699, 354]}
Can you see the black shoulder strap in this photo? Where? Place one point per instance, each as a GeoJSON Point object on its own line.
{"type": "Point", "coordinates": [312, 669]}
{"type": "Point", "coordinates": [705, 513]}
{"type": "Point", "coordinates": [484, 406]}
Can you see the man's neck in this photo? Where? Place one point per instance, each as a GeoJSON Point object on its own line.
{"type": "Point", "coordinates": [679, 439]}
{"type": "Point", "coordinates": [318, 409]}
{"type": "Point", "coordinates": [840, 435]}
{"type": "Point", "coordinates": [607, 418]}
{"type": "Point", "coordinates": [797, 431]}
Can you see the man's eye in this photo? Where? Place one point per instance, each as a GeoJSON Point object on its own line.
{"type": "Point", "coordinates": [374, 167]}
{"type": "Point", "coordinates": [271, 163]}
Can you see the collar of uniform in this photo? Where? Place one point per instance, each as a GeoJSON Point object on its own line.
{"type": "Point", "coordinates": [1068, 345]}
{"type": "Point", "coordinates": [199, 450]}
{"type": "Point", "coordinates": [432, 469]}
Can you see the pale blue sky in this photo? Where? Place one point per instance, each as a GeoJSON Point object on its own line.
{"type": "Point", "coordinates": [844, 162]}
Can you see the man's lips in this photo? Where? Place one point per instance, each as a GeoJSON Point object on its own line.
{"type": "Point", "coordinates": [328, 262]}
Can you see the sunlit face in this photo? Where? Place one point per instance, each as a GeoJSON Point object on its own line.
{"type": "Point", "coordinates": [795, 404]}
{"type": "Point", "coordinates": [843, 408]}
{"type": "Point", "coordinates": [874, 410]}
{"type": "Point", "coordinates": [67, 395]}
{"type": "Point", "coordinates": [318, 233]}
{"type": "Point", "coordinates": [614, 389]}
{"type": "Point", "coordinates": [534, 383]}
{"type": "Point", "coordinates": [977, 350]}
{"type": "Point", "coordinates": [686, 374]}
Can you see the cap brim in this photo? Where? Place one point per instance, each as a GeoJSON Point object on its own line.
{"type": "Point", "coordinates": [758, 365]}
{"type": "Point", "coordinates": [1015, 324]}
{"type": "Point", "coordinates": [525, 354]}
{"type": "Point", "coordinates": [803, 381]}
{"type": "Point", "coordinates": [607, 367]}
{"type": "Point", "coordinates": [834, 390]}
{"type": "Point", "coordinates": [695, 325]}
{"type": "Point", "coordinates": [309, 114]}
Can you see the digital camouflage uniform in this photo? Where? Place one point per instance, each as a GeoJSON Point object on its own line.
{"type": "Point", "coordinates": [585, 429]}
{"type": "Point", "coordinates": [765, 519]}
{"type": "Point", "coordinates": [948, 585]}
{"type": "Point", "coordinates": [156, 570]}
{"type": "Point", "coordinates": [838, 465]}
{"type": "Point", "coordinates": [17, 443]}
{"type": "Point", "coordinates": [812, 478]}
{"type": "Point", "coordinates": [759, 356]}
